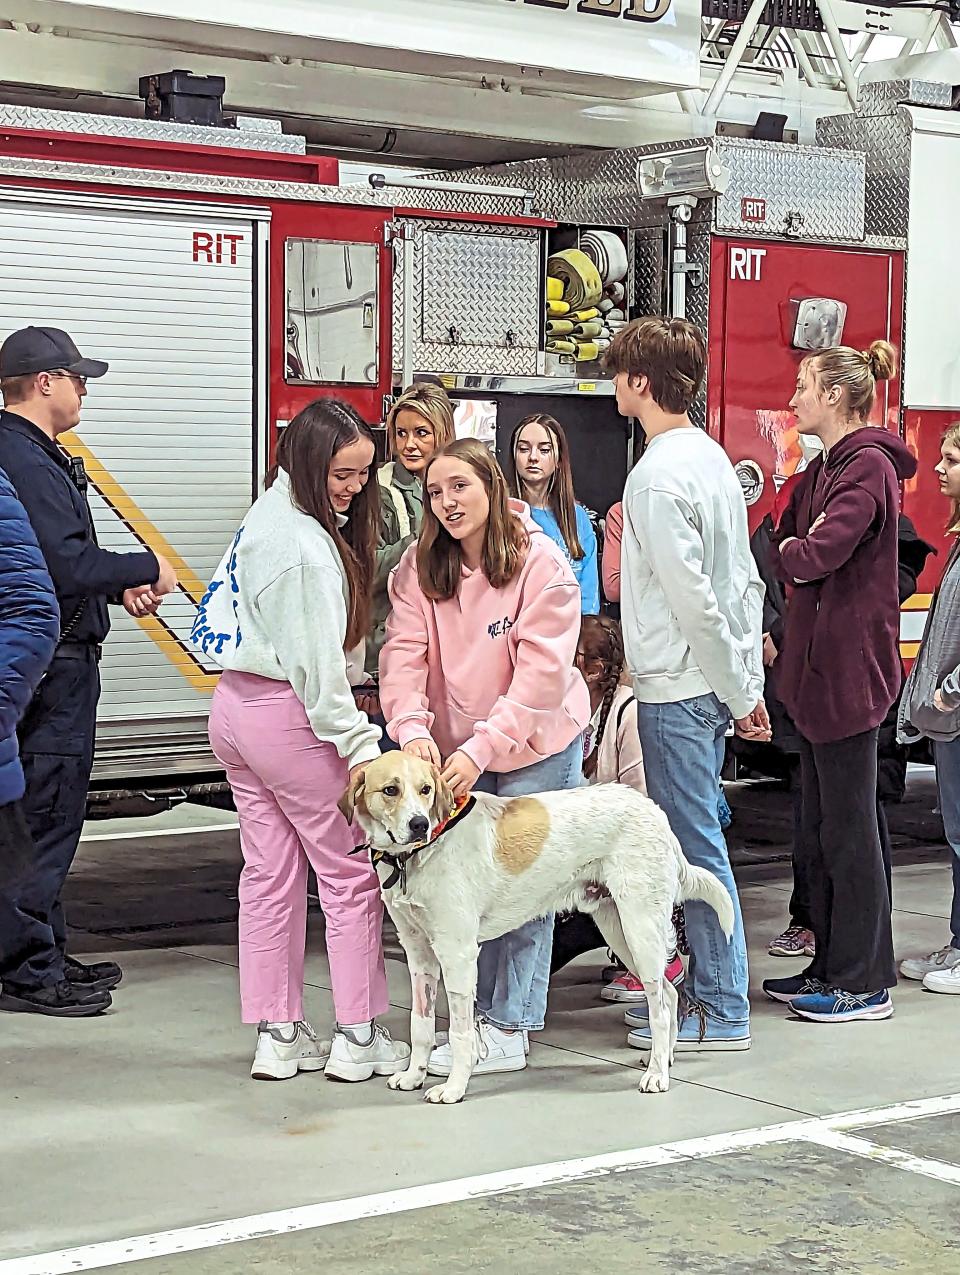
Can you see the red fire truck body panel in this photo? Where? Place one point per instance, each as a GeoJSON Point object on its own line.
{"type": "Point", "coordinates": [753, 365]}
{"type": "Point", "coordinates": [292, 220]}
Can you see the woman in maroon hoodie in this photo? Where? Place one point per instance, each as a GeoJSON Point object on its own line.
{"type": "Point", "coordinates": [839, 673]}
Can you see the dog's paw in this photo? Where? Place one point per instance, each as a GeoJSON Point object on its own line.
{"type": "Point", "coordinates": [654, 1081]}
{"type": "Point", "coordinates": [446, 1094]}
{"type": "Point", "coordinates": [407, 1080]}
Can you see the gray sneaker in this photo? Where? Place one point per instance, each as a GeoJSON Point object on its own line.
{"type": "Point", "coordinates": [284, 1050]}
{"type": "Point", "coordinates": [351, 1059]}
{"type": "Point", "coordinates": [919, 967]}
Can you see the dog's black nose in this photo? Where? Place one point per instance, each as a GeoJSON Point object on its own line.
{"type": "Point", "coordinates": [419, 825]}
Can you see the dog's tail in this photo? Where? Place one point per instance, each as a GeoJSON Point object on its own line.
{"type": "Point", "coordinates": [699, 883]}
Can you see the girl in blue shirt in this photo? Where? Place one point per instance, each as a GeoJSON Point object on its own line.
{"type": "Point", "coordinates": [543, 478]}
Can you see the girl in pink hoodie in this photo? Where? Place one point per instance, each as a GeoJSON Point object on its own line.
{"type": "Point", "coordinates": [478, 677]}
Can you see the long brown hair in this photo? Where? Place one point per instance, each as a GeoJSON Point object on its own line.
{"type": "Point", "coordinates": [439, 557]}
{"type": "Point", "coordinates": [601, 643]}
{"type": "Point", "coordinates": [430, 402]}
{"type": "Point", "coordinates": [951, 438]}
{"type": "Point", "coordinates": [560, 498]}
{"type": "Point", "coordinates": [305, 453]}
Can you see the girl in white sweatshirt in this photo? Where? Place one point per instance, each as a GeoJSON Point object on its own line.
{"type": "Point", "coordinates": [289, 599]}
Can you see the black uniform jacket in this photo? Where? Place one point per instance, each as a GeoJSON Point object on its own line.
{"type": "Point", "coordinates": [84, 575]}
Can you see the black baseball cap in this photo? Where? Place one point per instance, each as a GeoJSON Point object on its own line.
{"type": "Point", "coordinates": [45, 350]}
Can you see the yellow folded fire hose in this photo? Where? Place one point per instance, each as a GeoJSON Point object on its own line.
{"type": "Point", "coordinates": [582, 285]}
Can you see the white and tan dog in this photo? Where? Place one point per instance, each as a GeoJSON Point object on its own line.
{"type": "Point", "coordinates": [605, 849]}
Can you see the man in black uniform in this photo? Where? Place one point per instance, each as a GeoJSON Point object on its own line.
{"type": "Point", "coordinates": [43, 379]}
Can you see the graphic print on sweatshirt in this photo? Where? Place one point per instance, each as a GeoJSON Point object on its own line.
{"type": "Point", "coordinates": [203, 634]}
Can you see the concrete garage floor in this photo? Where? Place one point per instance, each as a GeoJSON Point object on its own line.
{"type": "Point", "coordinates": [139, 1141]}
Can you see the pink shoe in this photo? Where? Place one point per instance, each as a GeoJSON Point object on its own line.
{"type": "Point", "coordinates": [628, 988]}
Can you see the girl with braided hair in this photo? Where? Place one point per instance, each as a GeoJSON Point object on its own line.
{"type": "Point", "coordinates": [612, 755]}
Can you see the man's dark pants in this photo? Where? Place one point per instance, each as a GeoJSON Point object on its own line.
{"type": "Point", "coordinates": [56, 749]}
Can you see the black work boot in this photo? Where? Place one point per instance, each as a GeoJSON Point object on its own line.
{"type": "Point", "coordinates": [62, 1000]}
{"type": "Point", "coordinates": [101, 976]}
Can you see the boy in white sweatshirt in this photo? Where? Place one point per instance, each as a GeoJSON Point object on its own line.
{"type": "Point", "coordinates": [692, 619]}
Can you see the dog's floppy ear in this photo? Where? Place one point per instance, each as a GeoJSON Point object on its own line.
{"type": "Point", "coordinates": [444, 802]}
{"type": "Point", "coordinates": [348, 802]}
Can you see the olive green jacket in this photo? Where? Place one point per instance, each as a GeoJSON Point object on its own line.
{"type": "Point", "coordinates": [399, 489]}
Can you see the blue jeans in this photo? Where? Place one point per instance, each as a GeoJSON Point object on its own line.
{"type": "Point", "coordinates": [683, 748]}
{"type": "Point", "coordinates": [948, 781]}
{"type": "Point", "coordinates": [513, 971]}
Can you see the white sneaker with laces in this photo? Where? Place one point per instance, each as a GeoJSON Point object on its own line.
{"type": "Point", "coordinates": [498, 1051]}
{"type": "Point", "coordinates": [919, 967]}
{"type": "Point", "coordinates": [443, 1038]}
{"type": "Point", "coordinates": [286, 1048]}
{"type": "Point", "coordinates": [946, 981]}
{"type": "Point", "coordinates": [381, 1055]}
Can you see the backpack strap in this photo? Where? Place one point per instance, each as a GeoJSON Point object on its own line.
{"type": "Point", "coordinates": [385, 479]}
{"type": "Point", "coordinates": [631, 699]}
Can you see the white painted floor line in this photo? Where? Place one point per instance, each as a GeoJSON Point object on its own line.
{"type": "Point", "coordinates": [309, 1217]}
{"type": "Point", "coordinates": [198, 831]}
{"type": "Point", "coordinates": [896, 1158]}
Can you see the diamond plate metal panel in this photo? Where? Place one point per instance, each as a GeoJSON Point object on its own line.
{"type": "Point", "coordinates": [476, 296]}
{"type": "Point", "coordinates": [485, 287]}
{"type": "Point", "coordinates": [825, 187]}
{"type": "Point", "coordinates": [884, 141]}
{"type": "Point", "coordinates": [698, 300]}
{"type": "Point", "coordinates": [881, 95]}
{"type": "Point", "coordinates": [649, 275]}
{"type": "Point", "coordinates": [49, 121]}
{"type": "Point", "coordinates": [811, 192]}
{"type": "Point", "coordinates": [156, 179]}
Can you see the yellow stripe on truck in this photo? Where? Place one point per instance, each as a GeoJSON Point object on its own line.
{"type": "Point", "coordinates": [140, 526]}
{"type": "Point", "coordinates": [133, 516]}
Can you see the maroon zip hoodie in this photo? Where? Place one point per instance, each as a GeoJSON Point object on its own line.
{"type": "Point", "coordinates": [839, 671]}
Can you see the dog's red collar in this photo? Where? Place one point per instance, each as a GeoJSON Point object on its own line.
{"type": "Point", "coordinates": [462, 808]}
{"type": "Point", "coordinates": [398, 862]}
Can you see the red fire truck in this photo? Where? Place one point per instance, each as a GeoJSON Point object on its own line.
{"type": "Point", "coordinates": [229, 280]}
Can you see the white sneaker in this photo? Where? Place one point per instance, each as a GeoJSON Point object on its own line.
{"type": "Point", "coordinates": [381, 1056]}
{"type": "Point", "coordinates": [443, 1038]}
{"type": "Point", "coordinates": [945, 980]}
{"type": "Point", "coordinates": [498, 1051]}
{"type": "Point", "coordinates": [919, 967]}
{"type": "Point", "coordinates": [284, 1050]}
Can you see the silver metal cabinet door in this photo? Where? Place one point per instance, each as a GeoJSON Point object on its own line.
{"type": "Point", "coordinates": [332, 312]}
{"type": "Point", "coordinates": [481, 289]}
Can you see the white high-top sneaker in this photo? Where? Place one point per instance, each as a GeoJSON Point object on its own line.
{"type": "Point", "coordinates": [285, 1049]}
{"type": "Point", "coordinates": [351, 1060]}
{"type": "Point", "coordinates": [946, 981]}
{"type": "Point", "coordinates": [496, 1051]}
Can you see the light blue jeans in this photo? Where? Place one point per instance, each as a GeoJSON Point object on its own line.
{"type": "Point", "coordinates": [683, 748]}
{"type": "Point", "coordinates": [513, 971]}
{"type": "Point", "coordinates": [948, 782]}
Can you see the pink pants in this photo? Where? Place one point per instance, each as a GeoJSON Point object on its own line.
{"type": "Point", "coordinates": [286, 784]}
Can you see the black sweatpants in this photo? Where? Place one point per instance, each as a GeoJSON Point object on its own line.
{"type": "Point", "coordinates": [56, 748]}
{"type": "Point", "coordinates": [16, 845]}
{"type": "Point", "coordinates": [845, 851]}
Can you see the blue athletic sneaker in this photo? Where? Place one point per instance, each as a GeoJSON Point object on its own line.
{"type": "Point", "coordinates": [838, 1006]}
{"type": "Point", "coordinates": [717, 1037]}
{"type": "Point", "coordinates": [637, 1015]}
{"type": "Point", "coordinates": [788, 989]}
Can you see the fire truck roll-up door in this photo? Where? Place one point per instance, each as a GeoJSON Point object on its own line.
{"type": "Point", "coordinates": [172, 437]}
